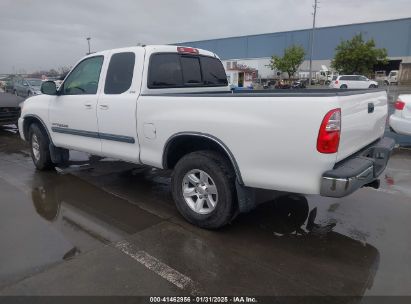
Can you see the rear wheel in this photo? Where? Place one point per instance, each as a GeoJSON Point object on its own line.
{"type": "Point", "coordinates": [344, 86]}
{"type": "Point", "coordinates": [39, 148]}
{"type": "Point", "coordinates": [203, 189]}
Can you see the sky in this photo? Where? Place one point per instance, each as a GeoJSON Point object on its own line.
{"type": "Point", "coordinates": [44, 34]}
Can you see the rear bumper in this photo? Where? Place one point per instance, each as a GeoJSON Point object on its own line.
{"type": "Point", "coordinates": [358, 170]}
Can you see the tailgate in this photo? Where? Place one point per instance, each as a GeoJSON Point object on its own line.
{"type": "Point", "coordinates": [363, 120]}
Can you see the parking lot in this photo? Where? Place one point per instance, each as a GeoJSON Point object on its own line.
{"type": "Point", "coordinates": [103, 227]}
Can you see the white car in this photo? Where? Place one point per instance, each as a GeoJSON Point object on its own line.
{"type": "Point", "coordinates": [171, 107]}
{"type": "Point", "coordinates": [400, 121]}
{"type": "Point", "coordinates": [352, 82]}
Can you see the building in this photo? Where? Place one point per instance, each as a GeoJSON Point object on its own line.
{"type": "Point", "coordinates": [255, 51]}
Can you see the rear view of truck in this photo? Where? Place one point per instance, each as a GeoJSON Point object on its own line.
{"type": "Point", "coordinates": [356, 129]}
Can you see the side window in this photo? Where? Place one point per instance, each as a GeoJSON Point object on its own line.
{"type": "Point", "coordinates": [344, 78]}
{"type": "Point", "coordinates": [119, 73]}
{"type": "Point", "coordinates": [165, 71]}
{"type": "Point", "coordinates": [362, 78]}
{"type": "Point", "coordinates": [83, 80]}
{"type": "Point", "coordinates": [191, 70]}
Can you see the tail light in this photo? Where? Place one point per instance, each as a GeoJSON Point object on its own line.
{"type": "Point", "coordinates": [329, 134]}
{"type": "Point", "coordinates": [187, 50]}
{"type": "Point", "coordinates": [399, 105]}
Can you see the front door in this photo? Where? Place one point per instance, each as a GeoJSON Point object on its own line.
{"type": "Point", "coordinates": [73, 112]}
{"type": "Point", "coordinates": [117, 106]}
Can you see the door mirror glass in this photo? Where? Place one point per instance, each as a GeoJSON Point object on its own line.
{"type": "Point", "coordinates": [49, 88]}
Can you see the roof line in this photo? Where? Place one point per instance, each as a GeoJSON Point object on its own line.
{"type": "Point", "coordinates": [300, 30]}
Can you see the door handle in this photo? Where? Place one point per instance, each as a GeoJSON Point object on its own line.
{"type": "Point", "coordinates": [88, 105]}
{"type": "Point", "coordinates": [370, 107]}
{"type": "Point", "coordinates": [103, 107]}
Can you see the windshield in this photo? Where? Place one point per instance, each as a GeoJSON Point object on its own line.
{"type": "Point", "coordinates": [35, 82]}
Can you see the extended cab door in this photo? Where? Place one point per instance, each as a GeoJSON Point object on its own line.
{"type": "Point", "coordinates": [117, 105]}
{"type": "Point", "coordinates": [72, 112]}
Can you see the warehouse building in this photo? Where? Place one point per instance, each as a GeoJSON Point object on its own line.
{"type": "Point", "coordinates": [253, 52]}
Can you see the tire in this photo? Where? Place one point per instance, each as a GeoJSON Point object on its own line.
{"type": "Point", "coordinates": [29, 94]}
{"type": "Point", "coordinates": [39, 148]}
{"type": "Point", "coordinates": [15, 93]}
{"type": "Point", "coordinates": [218, 175]}
{"type": "Point", "coordinates": [372, 86]}
{"type": "Point", "coordinates": [344, 86]}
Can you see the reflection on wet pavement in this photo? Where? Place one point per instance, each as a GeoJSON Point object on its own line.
{"type": "Point", "coordinates": [292, 245]}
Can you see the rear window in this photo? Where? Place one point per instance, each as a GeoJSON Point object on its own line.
{"type": "Point", "coordinates": [172, 70]}
{"type": "Point", "coordinates": [191, 70]}
{"type": "Point", "coordinates": [213, 71]}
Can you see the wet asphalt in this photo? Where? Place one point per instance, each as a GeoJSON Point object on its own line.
{"type": "Point", "coordinates": [104, 227]}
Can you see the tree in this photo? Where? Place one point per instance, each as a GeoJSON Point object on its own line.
{"type": "Point", "coordinates": [290, 61]}
{"type": "Point", "coordinates": [357, 56]}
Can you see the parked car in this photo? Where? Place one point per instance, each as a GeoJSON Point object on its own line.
{"type": "Point", "coordinates": [392, 78]}
{"type": "Point", "coordinates": [27, 87]}
{"type": "Point", "coordinates": [353, 82]}
{"type": "Point", "coordinates": [299, 84]}
{"type": "Point", "coordinates": [9, 112]}
{"type": "Point", "coordinates": [400, 121]}
{"type": "Point", "coordinates": [171, 107]}
{"type": "Point", "coordinates": [281, 84]}
{"type": "Point", "coordinates": [9, 86]}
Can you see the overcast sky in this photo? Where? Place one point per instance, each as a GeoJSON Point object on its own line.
{"type": "Point", "coordinates": [43, 34]}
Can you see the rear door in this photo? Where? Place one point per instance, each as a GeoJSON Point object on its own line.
{"type": "Point", "coordinates": [117, 105]}
{"type": "Point", "coordinates": [363, 120]}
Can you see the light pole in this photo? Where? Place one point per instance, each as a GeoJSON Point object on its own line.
{"type": "Point", "coordinates": [312, 42]}
{"type": "Point", "coordinates": [88, 41]}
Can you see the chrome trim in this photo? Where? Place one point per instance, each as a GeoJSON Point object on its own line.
{"type": "Point", "coordinates": [339, 187]}
{"type": "Point", "coordinates": [376, 155]}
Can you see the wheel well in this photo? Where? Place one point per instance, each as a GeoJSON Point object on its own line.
{"type": "Point", "coordinates": [182, 145]}
{"type": "Point", "coordinates": [28, 121]}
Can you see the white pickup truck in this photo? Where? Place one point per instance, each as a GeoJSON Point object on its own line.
{"type": "Point", "coordinates": [171, 107]}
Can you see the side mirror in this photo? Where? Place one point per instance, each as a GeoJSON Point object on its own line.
{"type": "Point", "coordinates": [49, 88]}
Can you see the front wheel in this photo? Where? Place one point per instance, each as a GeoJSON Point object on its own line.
{"type": "Point", "coordinates": [373, 86]}
{"type": "Point", "coordinates": [344, 86]}
{"type": "Point", "coordinates": [39, 148]}
{"type": "Point", "coordinates": [203, 189]}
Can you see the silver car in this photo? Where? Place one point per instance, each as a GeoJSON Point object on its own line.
{"type": "Point", "coordinates": [27, 87]}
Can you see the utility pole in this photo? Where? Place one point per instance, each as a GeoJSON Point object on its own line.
{"type": "Point", "coordinates": [312, 41]}
{"type": "Point", "coordinates": [88, 41]}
